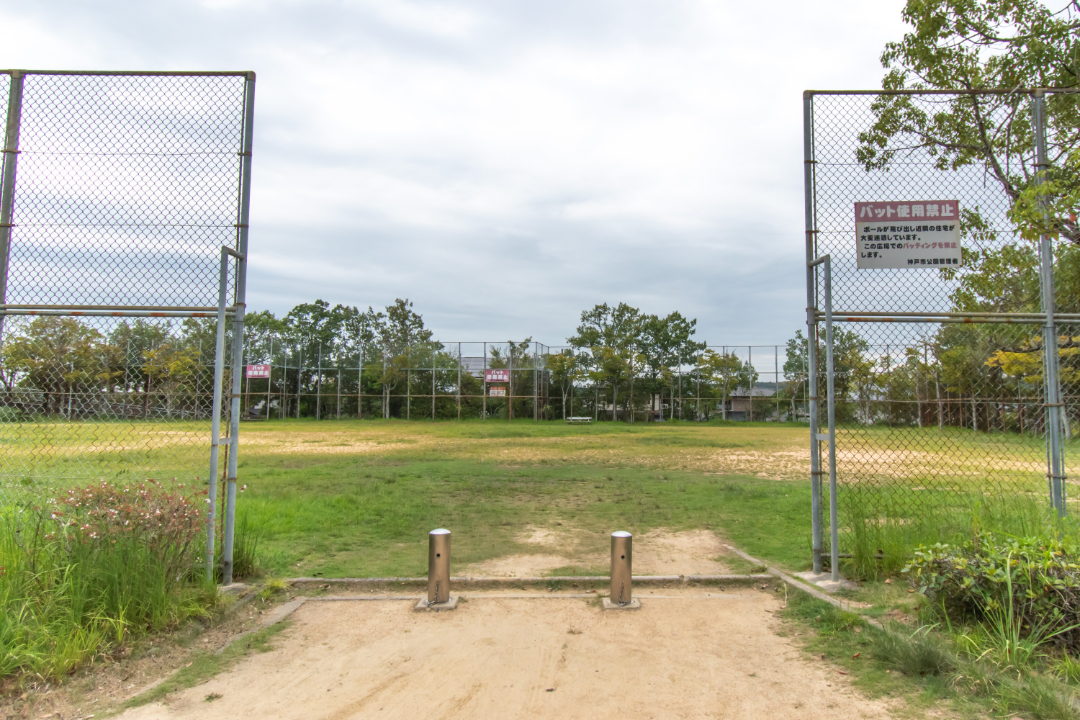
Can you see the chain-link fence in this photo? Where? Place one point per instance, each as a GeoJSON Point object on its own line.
{"type": "Point", "coordinates": [123, 220]}
{"type": "Point", "coordinates": [333, 378]}
{"type": "Point", "coordinates": [941, 390]}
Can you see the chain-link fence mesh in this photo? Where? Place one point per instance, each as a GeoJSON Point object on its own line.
{"type": "Point", "coordinates": [940, 394]}
{"type": "Point", "coordinates": [335, 378]}
{"type": "Point", "coordinates": [126, 186]}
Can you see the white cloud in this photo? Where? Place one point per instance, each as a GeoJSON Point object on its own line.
{"type": "Point", "coordinates": [506, 165]}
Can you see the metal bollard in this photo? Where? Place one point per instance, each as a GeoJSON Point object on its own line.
{"type": "Point", "coordinates": [438, 574]}
{"type": "Point", "coordinates": [622, 547]}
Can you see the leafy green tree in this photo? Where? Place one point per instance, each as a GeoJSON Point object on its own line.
{"type": "Point", "coordinates": [612, 335]}
{"type": "Point", "coordinates": [726, 370]}
{"type": "Point", "coordinates": [566, 370]}
{"type": "Point", "coordinates": [54, 356]}
{"type": "Point", "coordinates": [980, 44]}
{"type": "Point", "coordinates": [665, 343]}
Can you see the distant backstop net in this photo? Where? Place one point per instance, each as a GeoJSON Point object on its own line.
{"type": "Point", "coordinates": [943, 392]}
{"type": "Point", "coordinates": [118, 194]}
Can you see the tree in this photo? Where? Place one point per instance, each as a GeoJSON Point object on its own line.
{"type": "Point", "coordinates": [566, 369]}
{"type": "Point", "coordinates": [612, 336]}
{"type": "Point", "coordinates": [394, 332]}
{"type": "Point", "coordinates": [981, 44]}
{"type": "Point", "coordinates": [54, 356]}
{"type": "Point", "coordinates": [725, 369]}
{"type": "Point", "coordinates": [667, 342]}
{"type": "Point", "coordinates": [796, 368]}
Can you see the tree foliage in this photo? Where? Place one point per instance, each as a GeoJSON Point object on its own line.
{"type": "Point", "coordinates": [1008, 45]}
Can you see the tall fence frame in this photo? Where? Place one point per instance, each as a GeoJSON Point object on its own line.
{"type": "Point", "coordinates": [156, 151]}
{"type": "Point", "coordinates": [839, 170]}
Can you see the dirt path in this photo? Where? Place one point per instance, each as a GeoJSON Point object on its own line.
{"type": "Point", "coordinates": [694, 653]}
{"type": "Point", "coordinates": [659, 552]}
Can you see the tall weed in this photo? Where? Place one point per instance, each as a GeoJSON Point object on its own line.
{"type": "Point", "coordinates": [90, 569]}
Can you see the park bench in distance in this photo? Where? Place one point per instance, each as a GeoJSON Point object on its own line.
{"type": "Point", "coordinates": [578, 420]}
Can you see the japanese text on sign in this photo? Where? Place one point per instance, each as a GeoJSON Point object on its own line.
{"type": "Point", "coordinates": [258, 371]}
{"type": "Point", "coordinates": [497, 391]}
{"type": "Point", "coordinates": [496, 375]}
{"type": "Point", "coordinates": [908, 234]}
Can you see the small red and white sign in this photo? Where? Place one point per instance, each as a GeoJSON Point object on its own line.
{"type": "Point", "coordinates": [497, 391]}
{"type": "Point", "coordinates": [258, 371]}
{"type": "Point", "coordinates": [496, 375]}
{"type": "Point", "coordinates": [908, 234]}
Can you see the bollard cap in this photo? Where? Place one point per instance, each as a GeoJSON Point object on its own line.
{"type": "Point", "coordinates": [621, 533]}
{"type": "Point", "coordinates": [439, 531]}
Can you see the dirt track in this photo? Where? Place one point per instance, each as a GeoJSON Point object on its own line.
{"type": "Point", "coordinates": [695, 653]}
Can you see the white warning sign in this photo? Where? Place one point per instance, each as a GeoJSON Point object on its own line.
{"type": "Point", "coordinates": [908, 234]}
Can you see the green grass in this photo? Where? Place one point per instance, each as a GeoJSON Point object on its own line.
{"type": "Point", "coordinates": [369, 516]}
{"type": "Point", "coordinates": [924, 668]}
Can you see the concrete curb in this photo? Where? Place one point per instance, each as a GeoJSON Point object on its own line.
{"type": "Point", "coordinates": [798, 585]}
{"type": "Point", "coordinates": [478, 582]}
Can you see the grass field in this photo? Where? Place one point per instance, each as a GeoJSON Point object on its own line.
{"type": "Point", "coordinates": [356, 498]}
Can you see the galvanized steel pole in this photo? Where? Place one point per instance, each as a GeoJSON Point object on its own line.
{"type": "Point", "coordinates": [1055, 469]}
{"type": "Point", "coordinates": [438, 590]}
{"type": "Point", "coordinates": [621, 567]}
{"type": "Point", "coordinates": [830, 388]}
{"type": "Point", "coordinates": [811, 327]}
{"type": "Point", "coordinates": [7, 183]}
{"type": "Point", "coordinates": [215, 416]}
{"type": "Point", "coordinates": [238, 326]}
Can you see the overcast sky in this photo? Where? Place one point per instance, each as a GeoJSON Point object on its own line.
{"type": "Point", "coordinates": [506, 165]}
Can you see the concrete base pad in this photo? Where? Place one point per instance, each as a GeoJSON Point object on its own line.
{"type": "Point", "coordinates": [825, 581]}
{"type": "Point", "coordinates": [450, 604]}
{"type": "Point", "coordinates": [634, 604]}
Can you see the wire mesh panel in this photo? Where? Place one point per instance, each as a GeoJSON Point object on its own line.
{"type": "Point", "coordinates": [121, 190]}
{"type": "Point", "coordinates": [940, 393]}
{"type": "Point", "coordinates": [127, 188]}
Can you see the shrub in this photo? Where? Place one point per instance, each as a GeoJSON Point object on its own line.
{"type": "Point", "coordinates": [1031, 582]}
{"type": "Point", "coordinates": [93, 567]}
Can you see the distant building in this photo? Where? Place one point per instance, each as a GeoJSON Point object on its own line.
{"type": "Point", "coordinates": [738, 404]}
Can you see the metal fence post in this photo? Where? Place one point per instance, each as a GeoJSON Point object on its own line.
{"type": "Point", "coordinates": [215, 417]}
{"type": "Point", "coordinates": [459, 381]}
{"type": "Point", "coordinates": [318, 385]}
{"type": "Point", "coordinates": [1055, 470]}
{"type": "Point", "coordinates": [776, 379]}
{"type": "Point", "coordinates": [830, 388]}
{"type": "Point", "coordinates": [811, 327]}
{"type": "Point", "coordinates": [7, 184]}
{"type": "Point", "coordinates": [270, 377]}
{"type": "Point", "coordinates": [238, 325]}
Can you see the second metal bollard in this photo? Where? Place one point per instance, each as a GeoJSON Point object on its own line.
{"type": "Point", "coordinates": [438, 584]}
{"type": "Point", "coordinates": [622, 548]}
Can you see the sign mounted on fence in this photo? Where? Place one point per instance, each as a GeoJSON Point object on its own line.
{"type": "Point", "coordinates": [497, 391]}
{"type": "Point", "coordinates": [258, 371]}
{"type": "Point", "coordinates": [908, 234]}
{"type": "Point", "coordinates": [496, 375]}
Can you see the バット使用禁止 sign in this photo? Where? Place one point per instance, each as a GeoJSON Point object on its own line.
{"type": "Point", "coordinates": [908, 234]}
{"type": "Point", "coordinates": [495, 375]}
{"type": "Point", "coordinates": [258, 371]}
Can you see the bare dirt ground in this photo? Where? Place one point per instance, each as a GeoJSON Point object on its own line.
{"type": "Point", "coordinates": [691, 653]}
{"type": "Point", "coordinates": [660, 552]}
